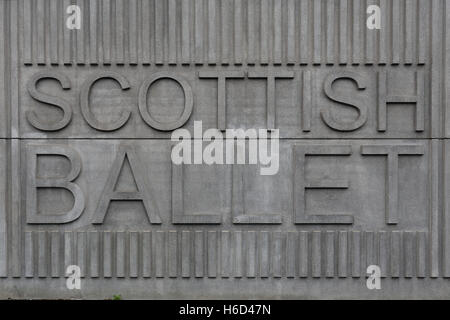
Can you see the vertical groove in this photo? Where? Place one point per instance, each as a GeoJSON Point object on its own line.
{"type": "Point", "coordinates": [384, 44]}
{"type": "Point", "coordinates": [120, 253]}
{"type": "Point", "coordinates": [212, 254]}
{"type": "Point", "coordinates": [186, 253]}
{"type": "Point", "coordinates": [226, 30]}
{"type": "Point", "coordinates": [107, 27]}
{"type": "Point", "coordinates": [80, 36]}
{"type": "Point", "coordinates": [93, 27]}
{"type": "Point", "coordinates": [291, 254]}
{"type": "Point", "coordinates": [330, 254]}
{"type": "Point", "coordinates": [133, 31]}
{"type": "Point", "coordinates": [357, 32]}
{"type": "Point", "coordinates": [395, 253]}
{"type": "Point", "coordinates": [316, 254]}
{"type": "Point", "coordinates": [303, 255]}
{"type": "Point", "coordinates": [4, 221]}
{"type": "Point", "coordinates": [107, 254]}
{"type": "Point", "coordinates": [199, 253]}
{"type": "Point", "coordinates": [264, 254]}
{"type": "Point", "coordinates": [251, 31]}
{"type": "Point", "coordinates": [356, 254]}
{"type": "Point", "coordinates": [409, 257]}
{"type": "Point", "coordinates": [29, 254]}
{"type": "Point", "coordinates": [172, 255]}
{"type": "Point", "coordinates": [423, 30]}
{"type": "Point", "coordinates": [396, 30]}
{"type": "Point", "coordinates": [370, 35]}
{"type": "Point", "coordinates": [40, 30]}
{"type": "Point", "coordinates": [68, 249]}
{"type": "Point", "coordinates": [159, 31]}
{"type": "Point", "coordinates": [342, 254]}
{"type": "Point", "coordinates": [81, 251]}
{"type": "Point", "coordinates": [42, 253]}
{"type": "Point", "coordinates": [317, 29]}
{"type": "Point", "coordinates": [185, 32]}
{"type": "Point", "coordinates": [225, 252]}
{"type": "Point", "coordinates": [55, 249]}
{"type": "Point", "coordinates": [277, 254]}
{"type": "Point", "coordinates": [291, 54]}
{"type": "Point", "coordinates": [160, 254]}
{"type": "Point", "coordinates": [264, 32]}
{"type": "Point", "coordinates": [14, 157]}
{"type": "Point", "coordinates": [212, 32]}
{"type": "Point", "coordinates": [146, 31]}
{"type": "Point", "coordinates": [199, 31]}
{"type": "Point", "coordinates": [172, 31]}
{"type": "Point", "coordinates": [343, 31]}
{"type": "Point", "coordinates": [421, 251]}
{"type": "Point", "coordinates": [27, 31]}
{"type": "Point", "coordinates": [304, 31]}
{"type": "Point", "coordinates": [251, 253]}
{"type": "Point", "coordinates": [370, 249]}
{"type": "Point", "coordinates": [147, 254]}
{"type": "Point", "coordinates": [330, 31]}
{"type": "Point", "coordinates": [238, 258]}
{"type": "Point", "coordinates": [383, 252]}
{"type": "Point", "coordinates": [94, 252]}
{"type": "Point", "coordinates": [238, 32]}
{"type": "Point", "coordinates": [53, 38]}
{"type": "Point", "coordinates": [134, 254]}
{"type": "Point", "coordinates": [119, 28]}
{"type": "Point", "coordinates": [410, 26]}
{"type": "Point", "coordinates": [277, 33]}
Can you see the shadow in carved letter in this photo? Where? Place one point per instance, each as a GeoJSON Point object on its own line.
{"type": "Point", "coordinates": [384, 99]}
{"type": "Point", "coordinates": [32, 118]}
{"type": "Point", "coordinates": [362, 110]}
{"type": "Point", "coordinates": [392, 153]}
{"type": "Point", "coordinates": [143, 192]}
{"type": "Point", "coordinates": [34, 182]}
{"type": "Point", "coordinates": [84, 101]}
{"type": "Point", "coordinates": [300, 185]}
{"type": "Point", "coordinates": [188, 102]}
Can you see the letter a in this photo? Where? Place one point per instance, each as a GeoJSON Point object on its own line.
{"type": "Point", "coordinates": [143, 192]}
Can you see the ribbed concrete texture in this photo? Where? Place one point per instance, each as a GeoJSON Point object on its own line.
{"type": "Point", "coordinates": [93, 90]}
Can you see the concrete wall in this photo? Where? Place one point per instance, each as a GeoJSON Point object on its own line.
{"type": "Point", "coordinates": [86, 176]}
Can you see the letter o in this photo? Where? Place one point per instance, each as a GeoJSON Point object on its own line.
{"type": "Point", "coordinates": [188, 103]}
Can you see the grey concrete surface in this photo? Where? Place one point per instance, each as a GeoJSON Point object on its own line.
{"type": "Point", "coordinates": [86, 176]}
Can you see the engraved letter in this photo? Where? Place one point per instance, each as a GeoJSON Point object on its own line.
{"type": "Point", "coordinates": [34, 182]}
{"type": "Point", "coordinates": [221, 77]}
{"type": "Point", "coordinates": [143, 192]}
{"type": "Point", "coordinates": [300, 185]}
{"type": "Point", "coordinates": [51, 100]}
{"type": "Point", "coordinates": [392, 152]}
{"type": "Point", "coordinates": [188, 102]}
{"type": "Point", "coordinates": [84, 101]}
{"type": "Point", "coordinates": [384, 99]}
{"type": "Point", "coordinates": [362, 110]}
{"type": "Point", "coordinates": [271, 76]}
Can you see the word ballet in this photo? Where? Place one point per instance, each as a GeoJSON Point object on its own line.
{"type": "Point", "coordinates": [370, 95]}
{"type": "Point", "coordinates": [92, 168]}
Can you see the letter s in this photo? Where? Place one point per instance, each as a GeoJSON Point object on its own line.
{"type": "Point", "coordinates": [362, 110]}
{"type": "Point", "coordinates": [51, 100]}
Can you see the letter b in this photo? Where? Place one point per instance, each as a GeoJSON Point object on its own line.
{"type": "Point", "coordinates": [34, 182]}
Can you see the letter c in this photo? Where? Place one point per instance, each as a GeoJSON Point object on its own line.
{"type": "Point", "coordinates": [84, 101]}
